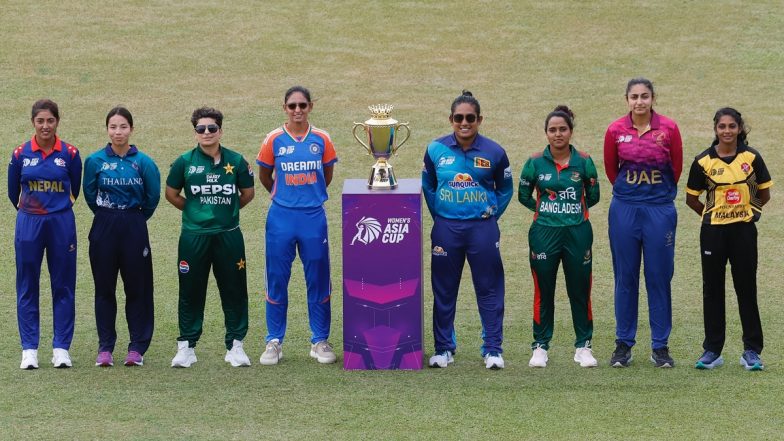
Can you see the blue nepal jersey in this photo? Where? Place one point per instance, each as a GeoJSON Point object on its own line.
{"type": "Point", "coordinates": [471, 184]}
{"type": "Point", "coordinates": [130, 182]}
{"type": "Point", "coordinates": [40, 183]}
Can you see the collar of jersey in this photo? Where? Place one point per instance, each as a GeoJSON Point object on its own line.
{"type": "Point", "coordinates": [291, 135]}
{"type": "Point", "coordinates": [476, 145]}
{"type": "Point", "coordinates": [58, 147]}
{"type": "Point", "coordinates": [654, 124]}
{"type": "Point", "coordinates": [109, 152]}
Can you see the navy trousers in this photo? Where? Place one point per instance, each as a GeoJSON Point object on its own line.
{"type": "Point", "coordinates": [119, 242]}
{"type": "Point", "coordinates": [55, 233]}
{"type": "Point", "coordinates": [454, 241]}
{"type": "Point", "coordinates": [648, 232]}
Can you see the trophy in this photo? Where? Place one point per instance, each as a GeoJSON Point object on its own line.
{"type": "Point", "coordinates": [381, 131]}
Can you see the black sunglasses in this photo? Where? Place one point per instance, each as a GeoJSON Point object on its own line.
{"type": "Point", "coordinates": [470, 118]}
{"type": "Point", "coordinates": [293, 106]}
{"type": "Point", "coordinates": [212, 128]}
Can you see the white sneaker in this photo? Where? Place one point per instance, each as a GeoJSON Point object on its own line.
{"type": "Point", "coordinates": [29, 359]}
{"type": "Point", "coordinates": [273, 353]}
{"type": "Point", "coordinates": [539, 358]}
{"type": "Point", "coordinates": [323, 353]}
{"type": "Point", "coordinates": [493, 360]}
{"type": "Point", "coordinates": [61, 358]}
{"type": "Point", "coordinates": [185, 356]}
{"type": "Point", "coordinates": [236, 355]}
{"type": "Point", "coordinates": [441, 359]}
{"type": "Point", "coordinates": [585, 357]}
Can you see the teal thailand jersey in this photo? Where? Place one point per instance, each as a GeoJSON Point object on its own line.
{"type": "Point", "coordinates": [466, 184]}
{"type": "Point", "coordinates": [130, 182]}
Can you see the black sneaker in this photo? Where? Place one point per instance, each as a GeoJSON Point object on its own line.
{"type": "Point", "coordinates": [622, 356]}
{"type": "Point", "coordinates": [661, 358]}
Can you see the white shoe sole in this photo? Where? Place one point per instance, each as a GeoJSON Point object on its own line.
{"type": "Point", "coordinates": [29, 366]}
{"type": "Point", "coordinates": [271, 362]}
{"type": "Point", "coordinates": [235, 363]}
{"type": "Point", "coordinates": [183, 364]}
{"type": "Point", "coordinates": [323, 360]}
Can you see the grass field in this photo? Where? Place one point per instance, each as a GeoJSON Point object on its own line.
{"type": "Point", "coordinates": [162, 59]}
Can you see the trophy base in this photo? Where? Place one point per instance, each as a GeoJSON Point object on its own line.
{"type": "Point", "coordinates": [381, 176]}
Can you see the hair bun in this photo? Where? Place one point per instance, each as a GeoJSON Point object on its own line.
{"type": "Point", "coordinates": [564, 109]}
{"type": "Point", "coordinates": [467, 93]}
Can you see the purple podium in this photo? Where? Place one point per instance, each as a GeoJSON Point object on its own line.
{"type": "Point", "coordinates": [382, 276]}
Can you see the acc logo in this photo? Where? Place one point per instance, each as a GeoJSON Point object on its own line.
{"type": "Point", "coordinates": [545, 176]}
{"type": "Point", "coordinates": [481, 162]}
{"type": "Point", "coordinates": [462, 181]}
{"type": "Point", "coordinates": [575, 177]}
{"type": "Point", "coordinates": [184, 267]}
{"type": "Point", "coordinates": [508, 173]}
{"type": "Point", "coordinates": [250, 170]}
{"type": "Point", "coordinates": [732, 196]}
{"type": "Point", "coordinates": [368, 230]}
{"type": "Point", "coordinates": [625, 138]}
{"type": "Point", "coordinates": [29, 162]}
{"type": "Point", "coordinates": [717, 171]}
{"type": "Point", "coordinates": [195, 170]}
{"type": "Point", "coordinates": [314, 148]}
{"type": "Point", "coordinates": [146, 252]}
{"type": "Point", "coordinates": [446, 160]}
{"type": "Point", "coordinates": [745, 167]}
{"type": "Point", "coordinates": [438, 251]}
{"type": "Point", "coordinates": [60, 162]}
{"type": "Point", "coordinates": [109, 166]}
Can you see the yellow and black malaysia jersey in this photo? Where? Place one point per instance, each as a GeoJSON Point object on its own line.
{"type": "Point", "coordinates": [731, 185]}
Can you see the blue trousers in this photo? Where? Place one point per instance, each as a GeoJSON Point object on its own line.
{"type": "Point", "coordinates": [646, 231]}
{"type": "Point", "coordinates": [290, 231]}
{"type": "Point", "coordinates": [55, 233]}
{"type": "Point", "coordinates": [119, 243]}
{"type": "Point", "coordinates": [454, 241]}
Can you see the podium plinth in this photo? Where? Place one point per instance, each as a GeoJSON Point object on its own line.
{"type": "Point", "coordinates": [382, 276]}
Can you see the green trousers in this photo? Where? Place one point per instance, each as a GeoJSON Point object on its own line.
{"type": "Point", "coordinates": [225, 253]}
{"type": "Point", "coordinates": [549, 247]}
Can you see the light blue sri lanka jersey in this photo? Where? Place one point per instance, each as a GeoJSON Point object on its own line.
{"type": "Point", "coordinates": [130, 182]}
{"type": "Point", "coordinates": [471, 184]}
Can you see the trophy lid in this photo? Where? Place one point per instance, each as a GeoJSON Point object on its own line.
{"type": "Point", "coordinates": [380, 115]}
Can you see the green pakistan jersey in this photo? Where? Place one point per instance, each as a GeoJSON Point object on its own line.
{"type": "Point", "coordinates": [563, 193]}
{"type": "Point", "coordinates": [212, 199]}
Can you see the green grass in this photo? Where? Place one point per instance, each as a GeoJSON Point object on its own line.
{"type": "Point", "coordinates": [163, 59]}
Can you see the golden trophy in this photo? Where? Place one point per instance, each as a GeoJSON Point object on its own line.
{"type": "Point", "coordinates": [381, 132]}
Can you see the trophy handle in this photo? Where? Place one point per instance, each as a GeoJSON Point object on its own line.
{"type": "Point", "coordinates": [354, 132]}
{"type": "Point", "coordinates": [408, 134]}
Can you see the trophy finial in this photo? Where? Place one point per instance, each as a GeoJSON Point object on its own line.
{"type": "Point", "coordinates": [380, 111]}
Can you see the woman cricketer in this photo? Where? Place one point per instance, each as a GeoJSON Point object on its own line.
{"type": "Point", "coordinates": [296, 163]}
{"type": "Point", "coordinates": [643, 158]}
{"type": "Point", "coordinates": [44, 177]}
{"type": "Point", "coordinates": [566, 186]}
{"type": "Point", "coordinates": [122, 187]}
{"type": "Point", "coordinates": [210, 184]}
{"type": "Point", "coordinates": [737, 185]}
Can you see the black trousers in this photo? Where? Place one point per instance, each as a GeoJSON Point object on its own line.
{"type": "Point", "coordinates": [119, 242]}
{"type": "Point", "coordinates": [737, 243]}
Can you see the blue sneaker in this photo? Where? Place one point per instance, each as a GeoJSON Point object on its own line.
{"type": "Point", "coordinates": [709, 360]}
{"type": "Point", "coordinates": [751, 361]}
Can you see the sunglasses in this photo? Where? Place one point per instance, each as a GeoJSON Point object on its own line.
{"type": "Point", "coordinates": [201, 129]}
{"type": "Point", "coordinates": [293, 106]}
{"type": "Point", "coordinates": [470, 118]}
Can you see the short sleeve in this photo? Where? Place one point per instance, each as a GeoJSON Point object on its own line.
{"type": "Point", "coordinates": [176, 178]}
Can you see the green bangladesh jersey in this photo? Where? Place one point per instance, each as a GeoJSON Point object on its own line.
{"type": "Point", "coordinates": [563, 193]}
{"type": "Point", "coordinates": [212, 198]}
